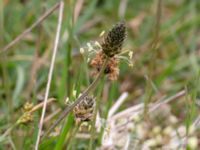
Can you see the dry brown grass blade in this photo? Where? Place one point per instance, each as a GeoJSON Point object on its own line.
{"type": "Point", "coordinates": [132, 111]}
{"type": "Point", "coordinates": [118, 103]}
{"type": "Point", "coordinates": [77, 9]}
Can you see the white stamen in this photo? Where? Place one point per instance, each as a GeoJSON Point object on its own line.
{"type": "Point", "coordinates": [130, 54]}
{"type": "Point", "coordinates": [97, 44]}
{"type": "Point", "coordinates": [67, 100]}
{"type": "Point", "coordinates": [88, 60]}
{"type": "Point", "coordinates": [74, 93]}
{"type": "Point", "coordinates": [102, 33]}
{"type": "Point", "coordinates": [89, 47]}
{"type": "Point", "coordinates": [82, 50]}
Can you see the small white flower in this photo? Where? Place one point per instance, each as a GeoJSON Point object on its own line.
{"type": "Point", "coordinates": [156, 129]}
{"type": "Point", "coordinates": [193, 142]}
{"type": "Point", "coordinates": [82, 50]}
{"type": "Point", "coordinates": [173, 119]}
{"type": "Point", "coordinates": [168, 130]}
{"type": "Point", "coordinates": [102, 33]}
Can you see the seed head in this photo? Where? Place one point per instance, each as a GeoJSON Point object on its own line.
{"type": "Point", "coordinates": [85, 110]}
{"type": "Point", "coordinates": [113, 42]}
{"type": "Point", "coordinates": [25, 118]}
{"type": "Point", "coordinates": [28, 106]}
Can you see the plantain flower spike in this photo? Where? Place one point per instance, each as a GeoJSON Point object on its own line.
{"type": "Point", "coordinates": [113, 42]}
{"type": "Point", "coordinates": [85, 110]}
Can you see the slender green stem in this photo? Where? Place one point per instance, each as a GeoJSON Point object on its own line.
{"type": "Point", "coordinates": [79, 99]}
{"type": "Point", "coordinates": [154, 48]}
{"type": "Point", "coordinates": [92, 134]}
{"type": "Point", "coordinates": [93, 131]}
{"type": "Point", "coordinates": [72, 136]}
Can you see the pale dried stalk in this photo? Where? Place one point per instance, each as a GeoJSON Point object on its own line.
{"type": "Point", "coordinates": [128, 111]}
{"type": "Point", "coordinates": [196, 123]}
{"type": "Point", "coordinates": [50, 100]}
{"type": "Point", "coordinates": [77, 9]}
{"type": "Point", "coordinates": [50, 72]}
{"type": "Point", "coordinates": [132, 111]}
{"type": "Point", "coordinates": [168, 100]}
{"type": "Point", "coordinates": [116, 106]}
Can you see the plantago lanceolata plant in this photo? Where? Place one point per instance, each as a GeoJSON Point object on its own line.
{"type": "Point", "coordinates": [105, 62]}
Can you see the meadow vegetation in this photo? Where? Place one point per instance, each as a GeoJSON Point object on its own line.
{"type": "Point", "coordinates": [97, 74]}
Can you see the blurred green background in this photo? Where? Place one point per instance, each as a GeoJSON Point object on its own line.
{"type": "Point", "coordinates": [164, 39]}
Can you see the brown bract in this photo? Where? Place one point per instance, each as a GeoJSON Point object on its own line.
{"type": "Point", "coordinates": [112, 69]}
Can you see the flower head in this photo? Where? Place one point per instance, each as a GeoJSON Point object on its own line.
{"type": "Point", "coordinates": [26, 118]}
{"type": "Point", "coordinates": [84, 111]}
{"type": "Point", "coordinates": [113, 42]}
{"type": "Point", "coordinates": [110, 49]}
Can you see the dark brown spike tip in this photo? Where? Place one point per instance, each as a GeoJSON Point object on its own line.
{"type": "Point", "coordinates": [113, 42]}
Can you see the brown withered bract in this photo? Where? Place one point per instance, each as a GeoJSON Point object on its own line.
{"type": "Point", "coordinates": [111, 69]}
